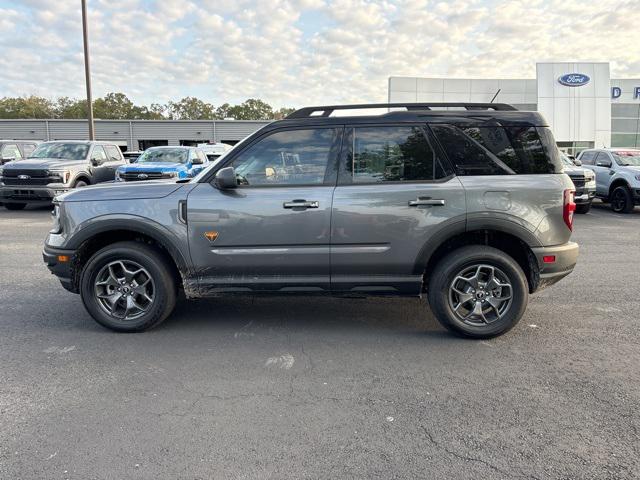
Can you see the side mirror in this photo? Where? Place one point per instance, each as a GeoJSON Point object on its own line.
{"type": "Point", "coordinates": [95, 162]}
{"type": "Point", "coordinates": [8, 159]}
{"type": "Point", "coordinates": [197, 161]}
{"type": "Point", "coordinates": [577, 163]}
{"type": "Point", "coordinates": [226, 178]}
{"type": "Point", "coordinates": [604, 163]}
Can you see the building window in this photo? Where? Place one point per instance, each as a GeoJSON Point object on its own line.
{"type": "Point", "coordinates": [193, 143]}
{"type": "Point", "coordinates": [144, 144]}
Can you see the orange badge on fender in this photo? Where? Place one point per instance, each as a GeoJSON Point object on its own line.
{"type": "Point", "coordinates": [211, 236]}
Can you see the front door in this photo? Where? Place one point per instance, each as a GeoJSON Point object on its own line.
{"type": "Point", "coordinates": [603, 170]}
{"type": "Point", "coordinates": [272, 232]}
{"type": "Point", "coordinates": [394, 193]}
{"type": "Point", "coordinates": [99, 165]}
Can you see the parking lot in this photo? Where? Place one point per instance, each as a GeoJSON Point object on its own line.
{"type": "Point", "coordinates": [319, 387]}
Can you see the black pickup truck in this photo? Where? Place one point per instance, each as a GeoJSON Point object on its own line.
{"type": "Point", "coordinates": [584, 180]}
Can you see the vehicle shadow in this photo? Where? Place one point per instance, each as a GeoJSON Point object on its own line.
{"type": "Point", "coordinates": [600, 206]}
{"type": "Point", "coordinates": [317, 314]}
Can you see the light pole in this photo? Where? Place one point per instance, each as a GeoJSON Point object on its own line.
{"type": "Point", "coordinates": [87, 71]}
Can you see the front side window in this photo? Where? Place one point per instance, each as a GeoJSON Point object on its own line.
{"type": "Point", "coordinates": [392, 154]}
{"type": "Point", "coordinates": [291, 157]}
{"type": "Point", "coordinates": [28, 148]}
{"type": "Point", "coordinates": [10, 150]}
{"type": "Point", "coordinates": [98, 154]}
{"type": "Point", "coordinates": [497, 150]}
{"type": "Point", "coordinates": [113, 153]}
{"type": "Point", "coordinates": [61, 151]}
{"type": "Point", "coordinates": [164, 155]}
{"type": "Point", "coordinates": [588, 158]}
{"type": "Point", "coordinates": [603, 159]}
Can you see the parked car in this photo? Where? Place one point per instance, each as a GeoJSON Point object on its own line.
{"type": "Point", "coordinates": [57, 167]}
{"type": "Point", "coordinates": [584, 181]}
{"type": "Point", "coordinates": [16, 149]}
{"type": "Point", "coordinates": [213, 151]}
{"type": "Point", "coordinates": [164, 163]}
{"type": "Point", "coordinates": [617, 172]}
{"type": "Point", "coordinates": [470, 207]}
{"type": "Point", "coordinates": [132, 155]}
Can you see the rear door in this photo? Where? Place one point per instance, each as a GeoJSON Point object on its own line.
{"type": "Point", "coordinates": [272, 233]}
{"type": "Point", "coordinates": [394, 194]}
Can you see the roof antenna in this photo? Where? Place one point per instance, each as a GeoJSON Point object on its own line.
{"type": "Point", "coordinates": [494, 97]}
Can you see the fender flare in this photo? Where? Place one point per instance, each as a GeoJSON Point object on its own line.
{"type": "Point", "coordinates": [131, 223]}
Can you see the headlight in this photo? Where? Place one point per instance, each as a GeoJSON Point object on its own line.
{"type": "Point", "coordinates": [57, 226]}
{"type": "Point", "coordinates": [63, 175]}
{"type": "Point", "coordinates": [171, 174]}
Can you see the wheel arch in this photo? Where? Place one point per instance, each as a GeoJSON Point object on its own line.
{"type": "Point", "coordinates": [509, 240]}
{"type": "Point", "coordinates": [618, 182]}
{"type": "Point", "coordinates": [98, 235]}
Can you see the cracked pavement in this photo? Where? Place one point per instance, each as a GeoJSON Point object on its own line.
{"type": "Point", "coordinates": [322, 388]}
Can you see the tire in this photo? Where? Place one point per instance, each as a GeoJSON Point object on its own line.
{"type": "Point", "coordinates": [621, 200]}
{"type": "Point", "coordinates": [464, 262]}
{"type": "Point", "coordinates": [15, 206]}
{"type": "Point", "coordinates": [112, 308]}
{"type": "Point", "coordinates": [583, 208]}
{"type": "Point", "coordinates": [80, 184]}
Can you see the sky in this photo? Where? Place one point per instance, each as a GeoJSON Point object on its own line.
{"type": "Point", "coordinates": [299, 52]}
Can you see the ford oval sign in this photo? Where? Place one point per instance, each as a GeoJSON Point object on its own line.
{"type": "Point", "coordinates": [143, 176]}
{"type": "Point", "coordinates": [574, 80]}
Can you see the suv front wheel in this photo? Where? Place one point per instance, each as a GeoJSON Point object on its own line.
{"type": "Point", "coordinates": [621, 200]}
{"type": "Point", "coordinates": [478, 292]}
{"type": "Point", "coordinates": [128, 287]}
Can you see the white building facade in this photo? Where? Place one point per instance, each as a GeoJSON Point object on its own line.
{"type": "Point", "coordinates": [584, 106]}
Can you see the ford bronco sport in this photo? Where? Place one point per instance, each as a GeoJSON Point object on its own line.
{"type": "Point", "coordinates": [464, 202]}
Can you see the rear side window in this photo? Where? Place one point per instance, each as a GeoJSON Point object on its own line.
{"type": "Point", "coordinates": [391, 154]}
{"type": "Point", "coordinates": [499, 150]}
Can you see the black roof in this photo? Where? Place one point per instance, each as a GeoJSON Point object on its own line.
{"type": "Point", "coordinates": [464, 113]}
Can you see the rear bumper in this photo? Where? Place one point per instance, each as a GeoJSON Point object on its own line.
{"type": "Point", "coordinates": [29, 193]}
{"type": "Point", "coordinates": [61, 269]}
{"type": "Point", "coordinates": [565, 258]}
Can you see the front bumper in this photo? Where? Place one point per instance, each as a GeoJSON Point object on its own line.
{"type": "Point", "coordinates": [565, 259]}
{"type": "Point", "coordinates": [30, 193]}
{"type": "Point", "coordinates": [64, 270]}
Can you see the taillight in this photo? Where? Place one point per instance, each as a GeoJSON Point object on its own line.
{"type": "Point", "coordinates": [568, 208]}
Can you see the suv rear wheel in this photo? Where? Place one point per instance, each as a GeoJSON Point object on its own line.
{"type": "Point", "coordinates": [621, 200]}
{"type": "Point", "coordinates": [478, 291]}
{"type": "Point", "coordinates": [127, 287]}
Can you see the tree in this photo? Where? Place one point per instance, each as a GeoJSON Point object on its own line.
{"type": "Point", "coordinates": [282, 113]}
{"type": "Point", "coordinates": [251, 109]}
{"type": "Point", "coordinates": [66, 107]}
{"type": "Point", "coordinates": [190, 108]}
{"type": "Point", "coordinates": [26, 107]}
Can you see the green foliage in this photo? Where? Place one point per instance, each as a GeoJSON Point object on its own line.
{"type": "Point", "coordinates": [118, 106]}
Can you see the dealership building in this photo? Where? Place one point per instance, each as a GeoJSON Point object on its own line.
{"type": "Point", "coordinates": [133, 134]}
{"type": "Point", "coordinates": [584, 106]}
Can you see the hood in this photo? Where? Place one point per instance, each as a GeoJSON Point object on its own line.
{"type": "Point", "coordinates": [121, 191]}
{"type": "Point", "coordinates": [633, 168]}
{"type": "Point", "coordinates": [152, 166]}
{"type": "Point", "coordinates": [42, 164]}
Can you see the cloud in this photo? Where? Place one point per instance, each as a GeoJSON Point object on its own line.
{"type": "Point", "coordinates": [300, 52]}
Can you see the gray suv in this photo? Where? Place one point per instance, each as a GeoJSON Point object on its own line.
{"type": "Point", "coordinates": [54, 168]}
{"type": "Point", "coordinates": [466, 203]}
{"type": "Point", "coordinates": [617, 172]}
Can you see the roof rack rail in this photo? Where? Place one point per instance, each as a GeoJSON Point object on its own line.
{"type": "Point", "coordinates": [327, 110]}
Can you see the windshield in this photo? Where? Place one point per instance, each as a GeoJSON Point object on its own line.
{"type": "Point", "coordinates": [61, 151]}
{"type": "Point", "coordinates": [629, 158]}
{"type": "Point", "coordinates": [164, 155]}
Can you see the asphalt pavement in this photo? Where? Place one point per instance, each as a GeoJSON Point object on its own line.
{"type": "Point", "coordinates": [296, 388]}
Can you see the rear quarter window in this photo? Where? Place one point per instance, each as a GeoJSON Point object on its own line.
{"type": "Point", "coordinates": [499, 150]}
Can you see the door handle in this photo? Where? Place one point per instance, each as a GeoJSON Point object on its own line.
{"type": "Point", "coordinates": [426, 201]}
{"type": "Point", "coordinates": [301, 204]}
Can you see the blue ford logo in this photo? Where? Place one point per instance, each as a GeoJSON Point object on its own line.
{"type": "Point", "coordinates": [142, 176]}
{"type": "Point", "coordinates": [574, 79]}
